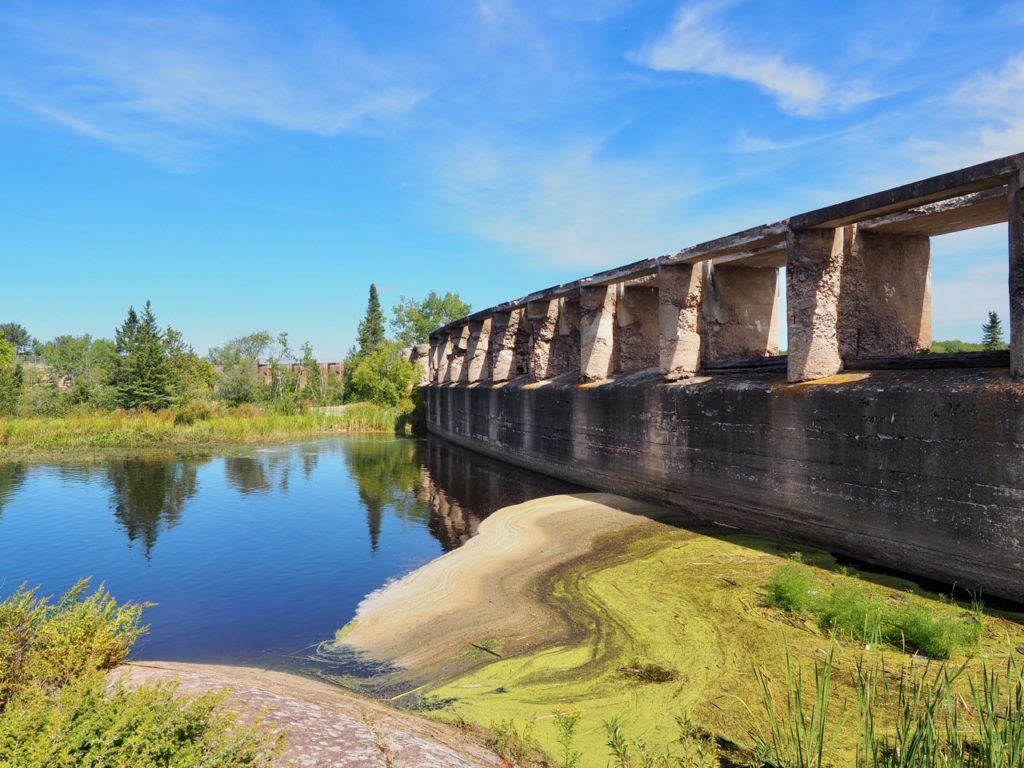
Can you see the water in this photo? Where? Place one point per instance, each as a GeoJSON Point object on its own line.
{"type": "Point", "coordinates": [252, 556]}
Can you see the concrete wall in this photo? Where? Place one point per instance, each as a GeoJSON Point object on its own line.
{"type": "Point", "coordinates": [918, 471]}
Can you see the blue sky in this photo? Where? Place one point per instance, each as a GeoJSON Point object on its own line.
{"type": "Point", "coordinates": [256, 165]}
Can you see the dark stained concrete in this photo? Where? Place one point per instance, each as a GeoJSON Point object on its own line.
{"type": "Point", "coordinates": [919, 471]}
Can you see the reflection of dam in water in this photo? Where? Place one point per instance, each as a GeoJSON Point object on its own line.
{"type": "Point", "coordinates": [462, 488]}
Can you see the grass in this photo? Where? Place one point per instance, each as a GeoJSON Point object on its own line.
{"type": "Point", "coordinates": [935, 630]}
{"type": "Point", "coordinates": [124, 430]}
{"type": "Point", "coordinates": [693, 604]}
{"type": "Point", "coordinates": [56, 708]}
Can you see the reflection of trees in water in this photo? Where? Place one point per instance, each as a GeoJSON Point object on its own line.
{"type": "Point", "coordinates": [148, 496]}
{"type": "Point", "coordinates": [387, 473]}
{"type": "Point", "coordinates": [258, 474]}
{"type": "Point", "coordinates": [12, 475]}
{"type": "Point", "coordinates": [462, 488]}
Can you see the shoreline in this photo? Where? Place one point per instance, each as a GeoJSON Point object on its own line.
{"type": "Point", "coordinates": [484, 600]}
{"type": "Point", "coordinates": [324, 726]}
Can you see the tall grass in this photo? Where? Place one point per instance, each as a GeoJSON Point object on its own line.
{"type": "Point", "coordinates": [851, 611]}
{"type": "Point", "coordinates": [120, 429]}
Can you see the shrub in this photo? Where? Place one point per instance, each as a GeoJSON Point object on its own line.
{"type": "Point", "coordinates": [193, 411]}
{"type": "Point", "coordinates": [56, 710]}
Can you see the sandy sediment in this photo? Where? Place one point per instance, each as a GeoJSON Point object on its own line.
{"type": "Point", "coordinates": [464, 601]}
{"type": "Point", "coordinates": [324, 726]}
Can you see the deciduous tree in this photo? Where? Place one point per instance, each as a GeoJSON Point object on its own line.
{"type": "Point", "coordinates": [414, 320]}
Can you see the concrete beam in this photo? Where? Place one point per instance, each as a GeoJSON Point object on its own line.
{"type": "Point", "coordinates": [740, 313]}
{"type": "Point", "coordinates": [977, 209]}
{"type": "Point", "coordinates": [885, 306]}
{"type": "Point", "coordinates": [478, 360]}
{"type": "Point", "coordinates": [680, 289]}
{"type": "Point", "coordinates": [597, 331]}
{"type": "Point", "coordinates": [813, 275]}
{"type": "Point", "coordinates": [1015, 231]}
{"type": "Point", "coordinates": [753, 239]}
{"type": "Point", "coordinates": [993, 173]}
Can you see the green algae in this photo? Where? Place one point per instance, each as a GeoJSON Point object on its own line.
{"type": "Point", "coordinates": [693, 605]}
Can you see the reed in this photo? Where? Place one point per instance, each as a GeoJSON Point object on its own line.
{"type": "Point", "coordinates": [129, 430]}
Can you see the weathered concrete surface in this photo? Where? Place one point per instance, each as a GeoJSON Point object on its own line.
{"type": "Point", "coordinates": [457, 361]}
{"type": "Point", "coordinates": [597, 331]}
{"type": "Point", "coordinates": [919, 471]}
{"type": "Point", "coordinates": [1015, 230]}
{"type": "Point", "coordinates": [885, 302]}
{"type": "Point", "coordinates": [739, 313]}
{"type": "Point", "coordinates": [813, 278]}
{"type": "Point", "coordinates": [324, 726]}
{"type": "Point", "coordinates": [636, 337]}
{"type": "Point", "coordinates": [543, 319]}
{"type": "Point", "coordinates": [680, 291]}
{"type": "Point", "coordinates": [478, 365]}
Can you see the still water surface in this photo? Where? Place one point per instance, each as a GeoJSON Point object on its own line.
{"type": "Point", "coordinates": [252, 556]}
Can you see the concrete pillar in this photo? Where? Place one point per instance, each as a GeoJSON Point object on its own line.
{"type": "Point", "coordinates": [460, 344]}
{"type": "Point", "coordinates": [739, 313]}
{"type": "Point", "coordinates": [478, 366]}
{"type": "Point", "coordinates": [885, 307]}
{"type": "Point", "coordinates": [565, 349]}
{"type": "Point", "coordinates": [543, 318]}
{"type": "Point", "coordinates": [597, 329]}
{"type": "Point", "coordinates": [680, 290]}
{"type": "Point", "coordinates": [444, 359]}
{"type": "Point", "coordinates": [814, 263]}
{"type": "Point", "coordinates": [421, 356]}
{"type": "Point", "coordinates": [1015, 229]}
{"type": "Point", "coordinates": [435, 343]}
{"type": "Point", "coordinates": [637, 328]}
{"type": "Point", "coordinates": [508, 332]}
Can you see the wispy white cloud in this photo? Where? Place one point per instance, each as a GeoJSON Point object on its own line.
{"type": "Point", "coordinates": [983, 118]}
{"type": "Point", "coordinates": [565, 206]}
{"type": "Point", "coordinates": [165, 81]}
{"type": "Point", "coordinates": [698, 42]}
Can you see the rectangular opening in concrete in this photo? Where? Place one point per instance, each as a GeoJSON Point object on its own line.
{"type": "Point", "coordinates": [636, 326]}
{"type": "Point", "coordinates": [925, 300]}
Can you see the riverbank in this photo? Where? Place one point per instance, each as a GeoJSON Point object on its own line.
{"type": "Point", "coordinates": [636, 619]}
{"type": "Point", "coordinates": [323, 725]}
{"type": "Point", "coordinates": [40, 437]}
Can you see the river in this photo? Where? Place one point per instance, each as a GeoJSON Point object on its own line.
{"type": "Point", "coordinates": [250, 556]}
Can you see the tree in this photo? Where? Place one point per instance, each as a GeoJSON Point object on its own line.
{"type": "Point", "coordinates": [383, 376]}
{"type": "Point", "coordinates": [79, 369]}
{"type": "Point", "coordinates": [142, 374]}
{"type": "Point", "coordinates": [17, 336]}
{"type": "Point", "coordinates": [414, 320]}
{"type": "Point", "coordinates": [239, 363]}
{"type": "Point", "coordinates": [11, 378]}
{"type": "Point", "coordinates": [992, 333]}
{"type": "Point", "coordinates": [371, 329]}
{"type": "Point", "coordinates": [191, 376]}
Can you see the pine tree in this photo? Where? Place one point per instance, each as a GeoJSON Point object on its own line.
{"type": "Point", "coordinates": [992, 333]}
{"type": "Point", "coordinates": [371, 329]}
{"type": "Point", "coordinates": [142, 375]}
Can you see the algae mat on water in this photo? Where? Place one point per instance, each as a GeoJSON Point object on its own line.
{"type": "Point", "coordinates": [669, 602]}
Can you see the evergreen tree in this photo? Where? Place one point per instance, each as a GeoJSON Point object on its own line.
{"type": "Point", "coordinates": [371, 329]}
{"type": "Point", "coordinates": [992, 333]}
{"type": "Point", "coordinates": [142, 375]}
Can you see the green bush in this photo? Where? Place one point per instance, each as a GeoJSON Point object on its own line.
{"type": "Point", "coordinates": [936, 637]}
{"type": "Point", "coordinates": [382, 376]}
{"type": "Point", "coordinates": [56, 710]}
{"type": "Point", "coordinates": [851, 613]}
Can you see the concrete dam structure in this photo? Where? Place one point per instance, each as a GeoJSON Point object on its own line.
{"type": "Point", "coordinates": [662, 380]}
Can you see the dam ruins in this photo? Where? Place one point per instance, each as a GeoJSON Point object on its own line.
{"type": "Point", "coordinates": [663, 380]}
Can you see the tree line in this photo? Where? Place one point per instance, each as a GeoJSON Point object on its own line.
{"type": "Point", "coordinates": [149, 367]}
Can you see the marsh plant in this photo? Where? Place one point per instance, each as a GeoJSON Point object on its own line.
{"type": "Point", "coordinates": [850, 611]}
{"type": "Point", "coordinates": [691, 749]}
